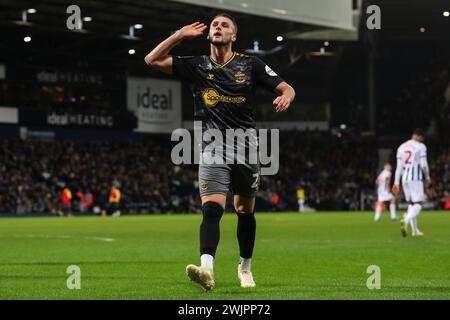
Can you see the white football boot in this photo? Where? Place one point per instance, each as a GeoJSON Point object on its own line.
{"type": "Point", "coordinates": [203, 276]}
{"type": "Point", "coordinates": [418, 234]}
{"type": "Point", "coordinates": [246, 278]}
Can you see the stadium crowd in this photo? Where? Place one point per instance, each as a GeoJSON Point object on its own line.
{"type": "Point", "coordinates": [334, 172]}
{"type": "Point", "coordinates": [35, 173]}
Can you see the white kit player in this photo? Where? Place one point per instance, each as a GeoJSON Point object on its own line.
{"type": "Point", "coordinates": [412, 167]}
{"type": "Point", "coordinates": [384, 193]}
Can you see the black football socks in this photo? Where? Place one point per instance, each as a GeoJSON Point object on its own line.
{"type": "Point", "coordinates": [210, 229]}
{"type": "Point", "coordinates": [246, 232]}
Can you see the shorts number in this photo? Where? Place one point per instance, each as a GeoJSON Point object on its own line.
{"type": "Point", "coordinates": [408, 160]}
{"type": "Point", "coordinates": [255, 182]}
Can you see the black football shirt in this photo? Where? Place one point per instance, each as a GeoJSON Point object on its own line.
{"type": "Point", "coordinates": [224, 93]}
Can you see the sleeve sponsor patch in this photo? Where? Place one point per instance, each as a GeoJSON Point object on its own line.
{"type": "Point", "coordinates": [270, 72]}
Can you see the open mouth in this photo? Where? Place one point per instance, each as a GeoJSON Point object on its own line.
{"type": "Point", "coordinates": [217, 34]}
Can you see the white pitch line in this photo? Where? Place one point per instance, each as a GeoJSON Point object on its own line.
{"type": "Point", "coordinates": [65, 237]}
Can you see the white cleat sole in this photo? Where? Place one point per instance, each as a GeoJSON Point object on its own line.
{"type": "Point", "coordinates": [202, 276]}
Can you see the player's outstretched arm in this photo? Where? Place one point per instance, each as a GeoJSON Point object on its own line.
{"type": "Point", "coordinates": [285, 98]}
{"type": "Point", "coordinates": [159, 58]}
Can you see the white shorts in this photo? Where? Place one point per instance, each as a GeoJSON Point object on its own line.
{"type": "Point", "coordinates": [413, 191]}
{"type": "Point", "coordinates": [385, 196]}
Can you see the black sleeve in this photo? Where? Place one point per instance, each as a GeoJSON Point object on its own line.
{"type": "Point", "coordinates": [264, 75]}
{"type": "Point", "coordinates": [184, 67]}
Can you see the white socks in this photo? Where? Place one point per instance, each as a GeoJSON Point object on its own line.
{"type": "Point", "coordinates": [245, 264]}
{"type": "Point", "coordinates": [411, 216]}
{"type": "Point", "coordinates": [393, 212]}
{"type": "Point", "coordinates": [207, 261]}
{"type": "Point", "coordinates": [380, 208]}
{"type": "Point", "coordinates": [413, 224]}
{"type": "Point", "coordinates": [408, 210]}
{"type": "Point", "coordinates": [378, 212]}
{"type": "Point", "coordinates": [413, 211]}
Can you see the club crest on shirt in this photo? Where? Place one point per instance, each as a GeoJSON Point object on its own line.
{"type": "Point", "coordinates": [240, 77]}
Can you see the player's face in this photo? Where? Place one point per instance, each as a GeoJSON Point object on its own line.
{"type": "Point", "coordinates": [221, 32]}
{"type": "Point", "coordinates": [388, 167]}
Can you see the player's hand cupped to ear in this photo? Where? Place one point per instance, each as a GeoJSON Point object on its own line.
{"type": "Point", "coordinates": [193, 30]}
{"type": "Point", "coordinates": [281, 103]}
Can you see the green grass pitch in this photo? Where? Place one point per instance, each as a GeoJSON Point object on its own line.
{"type": "Point", "coordinates": [297, 256]}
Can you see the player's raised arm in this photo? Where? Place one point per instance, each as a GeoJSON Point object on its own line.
{"type": "Point", "coordinates": [159, 58]}
{"type": "Point", "coordinates": [286, 96]}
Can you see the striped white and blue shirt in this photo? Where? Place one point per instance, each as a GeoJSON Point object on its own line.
{"type": "Point", "coordinates": [412, 162]}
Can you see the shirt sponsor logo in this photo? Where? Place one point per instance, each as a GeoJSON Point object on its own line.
{"type": "Point", "coordinates": [211, 97]}
{"type": "Point", "coordinates": [270, 72]}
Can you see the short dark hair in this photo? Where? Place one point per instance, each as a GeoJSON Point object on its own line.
{"type": "Point", "coordinates": [226, 15]}
{"type": "Point", "coordinates": [419, 132]}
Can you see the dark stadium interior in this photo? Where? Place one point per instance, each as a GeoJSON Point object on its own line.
{"type": "Point", "coordinates": [337, 166]}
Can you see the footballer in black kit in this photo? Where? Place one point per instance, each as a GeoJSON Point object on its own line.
{"type": "Point", "coordinates": [223, 96]}
{"type": "Point", "coordinates": [223, 85]}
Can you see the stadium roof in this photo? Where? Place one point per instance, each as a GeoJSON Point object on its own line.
{"type": "Point", "coordinates": [111, 20]}
{"type": "Point", "coordinates": [102, 42]}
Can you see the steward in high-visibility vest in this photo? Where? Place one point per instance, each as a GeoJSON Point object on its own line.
{"type": "Point", "coordinates": [114, 201]}
{"type": "Point", "coordinates": [114, 195]}
{"type": "Point", "coordinates": [66, 200]}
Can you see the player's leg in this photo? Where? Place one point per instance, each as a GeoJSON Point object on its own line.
{"type": "Point", "coordinates": [417, 196]}
{"type": "Point", "coordinates": [412, 217]}
{"type": "Point", "coordinates": [417, 231]}
{"type": "Point", "coordinates": [415, 211]}
{"type": "Point", "coordinates": [245, 182]}
{"type": "Point", "coordinates": [246, 233]}
{"type": "Point", "coordinates": [392, 210]}
{"type": "Point", "coordinates": [213, 207]}
{"type": "Point", "coordinates": [404, 221]}
{"type": "Point", "coordinates": [246, 228]}
{"type": "Point", "coordinates": [214, 183]}
{"type": "Point", "coordinates": [378, 209]}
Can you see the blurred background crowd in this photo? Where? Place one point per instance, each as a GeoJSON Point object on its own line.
{"type": "Point", "coordinates": [336, 173]}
